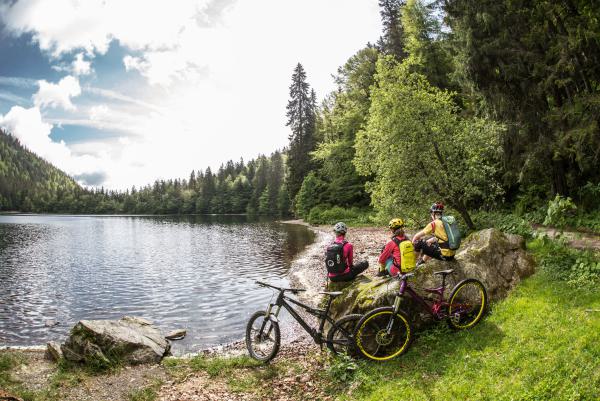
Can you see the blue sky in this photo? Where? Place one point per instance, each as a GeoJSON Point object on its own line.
{"type": "Point", "coordinates": [122, 92]}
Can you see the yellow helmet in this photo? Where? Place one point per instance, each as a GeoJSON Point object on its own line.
{"type": "Point", "coordinates": [396, 223]}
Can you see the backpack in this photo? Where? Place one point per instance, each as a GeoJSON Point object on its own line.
{"type": "Point", "coordinates": [407, 255]}
{"type": "Point", "coordinates": [452, 231]}
{"type": "Point", "coordinates": [334, 258]}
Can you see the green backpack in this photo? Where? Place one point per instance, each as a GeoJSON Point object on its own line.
{"type": "Point", "coordinates": [452, 231]}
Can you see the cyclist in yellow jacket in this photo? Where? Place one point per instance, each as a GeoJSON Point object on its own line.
{"type": "Point", "coordinates": [437, 246]}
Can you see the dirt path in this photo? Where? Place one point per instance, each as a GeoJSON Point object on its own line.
{"type": "Point", "coordinates": [575, 239]}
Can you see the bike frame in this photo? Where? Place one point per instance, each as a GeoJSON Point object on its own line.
{"type": "Point", "coordinates": [316, 333]}
{"type": "Point", "coordinates": [284, 301]}
{"type": "Point", "coordinates": [434, 309]}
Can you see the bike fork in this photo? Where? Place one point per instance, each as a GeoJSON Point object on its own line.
{"type": "Point", "coordinates": [267, 318]}
{"type": "Point", "coordinates": [390, 325]}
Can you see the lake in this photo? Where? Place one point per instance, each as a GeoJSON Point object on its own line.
{"type": "Point", "coordinates": [193, 272]}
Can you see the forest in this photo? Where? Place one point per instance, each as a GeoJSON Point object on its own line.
{"type": "Point", "coordinates": [483, 105]}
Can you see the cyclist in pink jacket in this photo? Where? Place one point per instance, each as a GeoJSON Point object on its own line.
{"type": "Point", "coordinates": [339, 257]}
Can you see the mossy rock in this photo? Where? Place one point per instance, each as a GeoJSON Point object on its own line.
{"type": "Point", "coordinates": [498, 260]}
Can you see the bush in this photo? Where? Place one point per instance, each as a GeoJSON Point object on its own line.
{"type": "Point", "coordinates": [324, 214]}
{"type": "Point", "coordinates": [560, 209]}
{"type": "Point", "coordinates": [506, 222]}
{"type": "Point", "coordinates": [560, 262]}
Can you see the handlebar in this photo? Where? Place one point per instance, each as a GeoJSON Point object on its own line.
{"type": "Point", "coordinates": [292, 290]}
{"type": "Point", "coordinates": [403, 277]}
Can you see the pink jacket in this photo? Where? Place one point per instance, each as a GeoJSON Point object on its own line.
{"type": "Point", "coordinates": [348, 254]}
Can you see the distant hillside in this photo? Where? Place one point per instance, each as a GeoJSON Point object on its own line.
{"type": "Point", "coordinates": [31, 184]}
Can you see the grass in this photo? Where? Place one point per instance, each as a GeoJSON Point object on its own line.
{"type": "Point", "coordinates": [538, 344]}
{"type": "Point", "coordinates": [148, 393]}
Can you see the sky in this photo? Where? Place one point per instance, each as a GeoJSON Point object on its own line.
{"type": "Point", "coordinates": [119, 93]}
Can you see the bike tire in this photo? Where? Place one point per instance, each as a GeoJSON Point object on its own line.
{"type": "Point", "coordinates": [343, 329]}
{"type": "Point", "coordinates": [372, 340]}
{"type": "Point", "coordinates": [467, 304]}
{"type": "Point", "coordinates": [262, 347]}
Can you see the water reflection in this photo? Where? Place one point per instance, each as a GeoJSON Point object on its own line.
{"type": "Point", "coordinates": [195, 272]}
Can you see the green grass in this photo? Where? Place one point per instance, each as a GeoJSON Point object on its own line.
{"type": "Point", "coordinates": [538, 344]}
{"type": "Point", "coordinates": [148, 393]}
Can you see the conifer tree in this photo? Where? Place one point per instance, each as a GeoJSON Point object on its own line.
{"type": "Point", "coordinates": [392, 41]}
{"type": "Point", "coordinates": [301, 119]}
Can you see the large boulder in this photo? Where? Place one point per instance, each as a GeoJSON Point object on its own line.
{"type": "Point", "coordinates": [498, 260]}
{"type": "Point", "coordinates": [105, 343]}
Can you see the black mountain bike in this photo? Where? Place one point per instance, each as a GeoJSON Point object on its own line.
{"type": "Point", "coordinates": [263, 336]}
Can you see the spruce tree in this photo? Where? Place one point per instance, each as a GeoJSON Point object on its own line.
{"type": "Point", "coordinates": [301, 119]}
{"type": "Point", "coordinates": [392, 41]}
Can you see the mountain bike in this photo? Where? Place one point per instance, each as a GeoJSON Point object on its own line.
{"type": "Point", "coordinates": [263, 336]}
{"type": "Point", "coordinates": [385, 333]}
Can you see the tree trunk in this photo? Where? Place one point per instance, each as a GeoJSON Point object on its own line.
{"type": "Point", "coordinates": [465, 215]}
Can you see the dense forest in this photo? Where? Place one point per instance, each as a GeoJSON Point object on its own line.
{"type": "Point", "coordinates": [479, 104]}
{"type": "Point", "coordinates": [29, 184]}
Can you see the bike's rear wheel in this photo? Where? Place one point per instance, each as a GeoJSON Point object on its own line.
{"type": "Point", "coordinates": [467, 304]}
{"type": "Point", "coordinates": [382, 334]}
{"type": "Point", "coordinates": [340, 338]}
{"type": "Point", "coordinates": [262, 337]}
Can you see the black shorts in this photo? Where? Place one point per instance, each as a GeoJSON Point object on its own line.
{"type": "Point", "coordinates": [354, 271]}
{"type": "Point", "coordinates": [432, 250]}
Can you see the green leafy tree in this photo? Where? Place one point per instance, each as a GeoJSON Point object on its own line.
{"type": "Point", "coordinates": [309, 195]}
{"type": "Point", "coordinates": [418, 148]}
{"type": "Point", "coordinates": [341, 117]}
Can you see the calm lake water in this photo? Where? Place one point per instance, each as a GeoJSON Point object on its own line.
{"type": "Point", "coordinates": [193, 272]}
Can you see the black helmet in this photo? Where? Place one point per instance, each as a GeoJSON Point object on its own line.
{"type": "Point", "coordinates": [437, 207]}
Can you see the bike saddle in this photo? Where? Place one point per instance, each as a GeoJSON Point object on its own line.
{"type": "Point", "coordinates": [444, 272]}
{"type": "Point", "coordinates": [332, 294]}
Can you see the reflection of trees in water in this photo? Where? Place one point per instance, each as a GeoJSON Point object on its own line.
{"type": "Point", "coordinates": [297, 237]}
{"type": "Point", "coordinates": [22, 235]}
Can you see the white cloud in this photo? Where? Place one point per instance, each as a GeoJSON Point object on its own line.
{"type": "Point", "coordinates": [60, 26]}
{"type": "Point", "coordinates": [98, 112]}
{"type": "Point", "coordinates": [57, 95]}
{"type": "Point", "coordinates": [79, 66]}
{"type": "Point", "coordinates": [34, 133]}
{"type": "Point", "coordinates": [28, 126]}
{"type": "Point", "coordinates": [219, 74]}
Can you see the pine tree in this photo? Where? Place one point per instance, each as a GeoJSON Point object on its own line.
{"type": "Point", "coordinates": [392, 41]}
{"type": "Point", "coordinates": [301, 119]}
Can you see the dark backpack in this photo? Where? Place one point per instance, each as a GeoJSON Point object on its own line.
{"type": "Point", "coordinates": [334, 258]}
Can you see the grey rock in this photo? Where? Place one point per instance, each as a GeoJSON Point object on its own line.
{"type": "Point", "coordinates": [51, 323]}
{"type": "Point", "coordinates": [130, 340]}
{"type": "Point", "coordinates": [54, 351]}
{"type": "Point", "coordinates": [176, 335]}
{"type": "Point", "coordinates": [498, 260]}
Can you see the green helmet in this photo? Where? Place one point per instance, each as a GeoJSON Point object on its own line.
{"type": "Point", "coordinates": [340, 228]}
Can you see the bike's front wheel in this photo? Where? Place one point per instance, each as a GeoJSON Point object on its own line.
{"type": "Point", "coordinates": [382, 334]}
{"type": "Point", "coordinates": [467, 304]}
{"type": "Point", "coordinates": [340, 337]}
{"type": "Point", "coordinates": [262, 337]}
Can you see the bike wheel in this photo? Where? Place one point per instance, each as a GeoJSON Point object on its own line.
{"type": "Point", "coordinates": [376, 340]}
{"type": "Point", "coordinates": [262, 337]}
{"type": "Point", "coordinates": [467, 304]}
{"type": "Point", "coordinates": [340, 338]}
